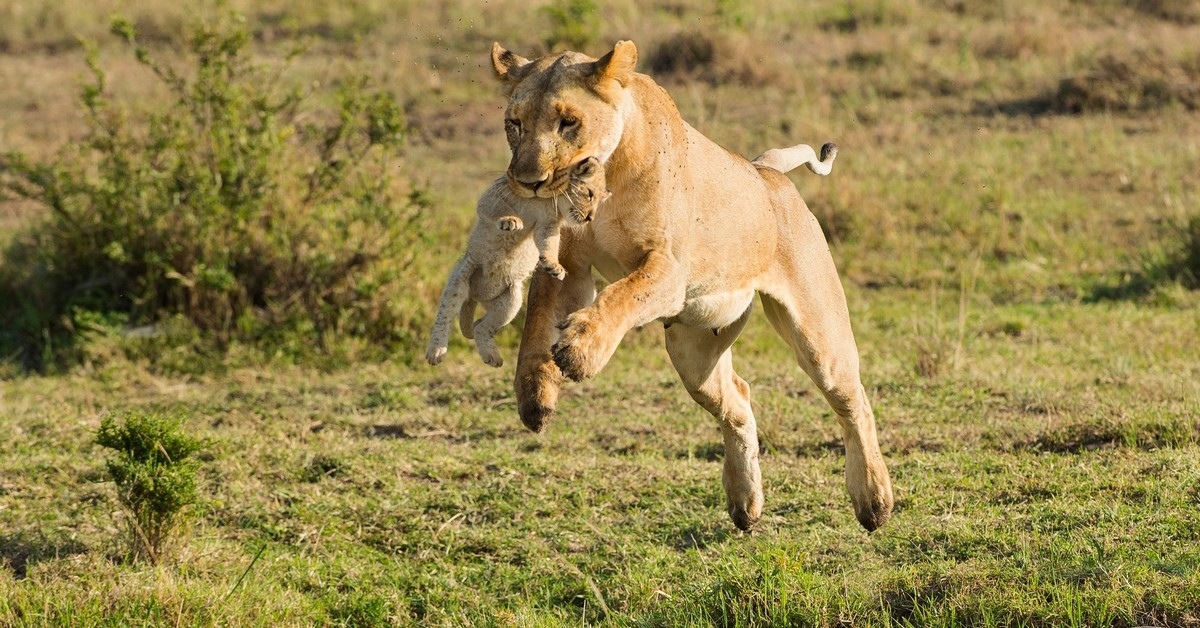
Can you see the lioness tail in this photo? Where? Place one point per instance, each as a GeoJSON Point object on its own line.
{"type": "Point", "coordinates": [792, 157]}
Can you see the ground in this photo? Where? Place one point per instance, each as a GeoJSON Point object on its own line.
{"type": "Point", "coordinates": [1004, 210]}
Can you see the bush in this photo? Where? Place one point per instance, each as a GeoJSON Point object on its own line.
{"type": "Point", "coordinates": [1130, 81]}
{"type": "Point", "coordinates": [713, 57]}
{"type": "Point", "coordinates": [1183, 261]}
{"type": "Point", "coordinates": [574, 24]}
{"type": "Point", "coordinates": [235, 207]}
{"type": "Point", "coordinates": [154, 473]}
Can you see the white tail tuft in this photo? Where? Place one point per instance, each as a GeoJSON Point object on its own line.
{"type": "Point", "coordinates": [788, 159]}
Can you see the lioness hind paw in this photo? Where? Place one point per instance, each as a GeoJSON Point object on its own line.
{"type": "Point", "coordinates": [742, 519]}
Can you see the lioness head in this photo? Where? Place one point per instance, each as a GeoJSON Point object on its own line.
{"type": "Point", "coordinates": [562, 110]}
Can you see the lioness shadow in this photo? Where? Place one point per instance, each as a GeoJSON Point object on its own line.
{"type": "Point", "coordinates": [20, 550]}
{"type": "Point", "coordinates": [695, 537]}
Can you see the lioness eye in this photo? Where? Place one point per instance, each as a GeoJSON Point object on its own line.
{"type": "Point", "coordinates": [568, 122]}
{"type": "Point", "coordinates": [513, 124]}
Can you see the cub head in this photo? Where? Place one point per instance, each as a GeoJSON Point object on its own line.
{"type": "Point", "coordinates": [587, 188]}
{"type": "Point", "coordinates": [562, 110]}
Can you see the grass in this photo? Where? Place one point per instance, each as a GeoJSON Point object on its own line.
{"type": "Point", "coordinates": [1043, 477]}
{"type": "Point", "coordinates": [1017, 273]}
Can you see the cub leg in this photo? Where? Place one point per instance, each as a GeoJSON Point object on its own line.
{"type": "Point", "coordinates": [498, 312]}
{"type": "Point", "coordinates": [466, 318]}
{"type": "Point", "coordinates": [454, 298]}
{"type": "Point", "coordinates": [546, 237]}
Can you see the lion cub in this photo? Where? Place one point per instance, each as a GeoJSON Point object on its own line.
{"type": "Point", "coordinates": [511, 237]}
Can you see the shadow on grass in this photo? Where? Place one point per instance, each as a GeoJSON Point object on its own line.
{"type": "Point", "coordinates": [401, 431]}
{"type": "Point", "coordinates": [20, 550]}
{"type": "Point", "coordinates": [1147, 435]}
{"type": "Point", "coordinates": [903, 600]}
{"type": "Point", "coordinates": [1133, 287]}
{"type": "Point", "coordinates": [694, 537]}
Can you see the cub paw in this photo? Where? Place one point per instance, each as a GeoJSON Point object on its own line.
{"type": "Point", "coordinates": [491, 356]}
{"type": "Point", "coordinates": [554, 269]}
{"type": "Point", "coordinates": [434, 355]}
{"type": "Point", "coordinates": [510, 223]}
{"type": "Point", "coordinates": [487, 349]}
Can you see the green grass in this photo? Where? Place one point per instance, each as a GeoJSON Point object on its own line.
{"type": "Point", "coordinates": [1045, 480]}
{"type": "Point", "coordinates": [1017, 282]}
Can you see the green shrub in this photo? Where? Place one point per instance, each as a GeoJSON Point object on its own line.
{"type": "Point", "coordinates": [574, 24]}
{"type": "Point", "coordinates": [236, 206]}
{"type": "Point", "coordinates": [155, 475]}
{"type": "Point", "coordinates": [1130, 81]}
{"type": "Point", "coordinates": [1182, 261]}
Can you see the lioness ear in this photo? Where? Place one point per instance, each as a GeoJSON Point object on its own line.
{"type": "Point", "coordinates": [618, 65]}
{"type": "Point", "coordinates": [505, 61]}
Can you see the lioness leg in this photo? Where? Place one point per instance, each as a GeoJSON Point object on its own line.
{"type": "Point", "coordinates": [550, 301]}
{"type": "Point", "coordinates": [825, 349]}
{"type": "Point", "coordinates": [705, 364]}
{"type": "Point", "coordinates": [653, 290]}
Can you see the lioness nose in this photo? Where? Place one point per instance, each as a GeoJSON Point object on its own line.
{"type": "Point", "coordinates": [531, 183]}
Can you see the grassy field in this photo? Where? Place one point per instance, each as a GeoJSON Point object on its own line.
{"type": "Point", "coordinates": [1009, 211]}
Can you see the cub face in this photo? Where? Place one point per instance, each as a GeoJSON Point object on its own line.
{"type": "Point", "coordinates": [562, 110]}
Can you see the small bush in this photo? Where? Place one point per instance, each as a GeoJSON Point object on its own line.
{"type": "Point", "coordinates": [713, 57]}
{"type": "Point", "coordinates": [851, 16]}
{"type": "Point", "coordinates": [1177, 261]}
{"type": "Point", "coordinates": [236, 206]}
{"type": "Point", "coordinates": [155, 475]}
{"type": "Point", "coordinates": [574, 24]}
{"type": "Point", "coordinates": [1130, 81]}
{"type": "Point", "coordinates": [1183, 262]}
{"type": "Point", "coordinates": [321, 466]}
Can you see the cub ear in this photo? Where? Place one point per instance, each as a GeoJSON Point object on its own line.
{"type": "Point", "coordinates": [505, 62]}
{"type": "Point", "coordinates": [618, 65]}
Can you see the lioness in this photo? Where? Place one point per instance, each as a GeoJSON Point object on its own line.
{"type": "Point", "coordinates": [511, 236]}
{"type": "Point", "coordinates": [690, 234]}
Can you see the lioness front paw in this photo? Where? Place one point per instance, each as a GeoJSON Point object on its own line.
{"type": "Point", "coordinates": [537, 394]}
{"type": "Point", "coordinates": [583, 348]}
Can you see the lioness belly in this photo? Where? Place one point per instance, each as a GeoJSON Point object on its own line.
{"type": "Point", "coordinates": [713, 311]}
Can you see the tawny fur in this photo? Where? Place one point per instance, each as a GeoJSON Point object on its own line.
{"type": "Point", "coordinates": [690, 234]}
{"type": "Point", "coordinates": [512, 236]}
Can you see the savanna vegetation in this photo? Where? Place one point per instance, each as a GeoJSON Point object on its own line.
{"type": "Point", "coordinates": [224, 229]}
